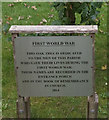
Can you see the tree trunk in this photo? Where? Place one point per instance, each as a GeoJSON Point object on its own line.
{"type": "Point", "coordinates": [70, 14]}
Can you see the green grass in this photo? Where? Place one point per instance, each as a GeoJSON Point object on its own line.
{"type": "Point", "coordinates": [49, 107]}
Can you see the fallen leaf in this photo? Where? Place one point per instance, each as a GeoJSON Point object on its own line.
{"type": "Point", "coordinates": [29, 17]}
{"type": "Point", "coordinates": [34, 7]}
{"type": "Point", "coordinates": [37, 14]}
{"type": "Point", "coordinates": [50, 16]}
{"type": "Point", "coordinates": [101, 31]}
{"type": "Point", "coordinates": [65, 7]}
{"type": "Point", "coordinates": [96, 20]}
{"type": "Point", "coordinates": [28, 6]}
{"type": "Point", "coordinates": [20, 17]}
{"type": "Point", "coordinates": [7, 22]}
{"type": "Point", "coordinates": [25, 5]}
{"type": "Point", "coordinates": [10, 5]}
{"type": "Point", "coordinates": [44, 20]}
{"type": "Point", "coordinates": [41, 23]}
{"type": "Point", "coordinates": [104, 67]}
{"type": "Point", "coordinates": [9, 18]}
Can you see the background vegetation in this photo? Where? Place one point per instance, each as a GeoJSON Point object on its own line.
{"type": "Point", "coordinates": [50, 107]}
{"type": "Point", "coordinates": [87, 12]}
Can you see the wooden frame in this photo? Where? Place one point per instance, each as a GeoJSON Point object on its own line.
{"type": "Point", "coordinates": [23, 103]}
{"type": "Point", "coordinates": [53, 29]}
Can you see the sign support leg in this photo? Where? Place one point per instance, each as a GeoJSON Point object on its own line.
{"type": "Point", "coordinates": [23, 103]}
{"type": "Point", "coordinates": [92, 105]}
{"type": "Point", "coordinates": [23, 107]}
{"type": "Point", "coordinates": [92, 108]}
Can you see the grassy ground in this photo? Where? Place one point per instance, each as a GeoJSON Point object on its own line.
{"type": "Point", "coordinates": [48, 107]}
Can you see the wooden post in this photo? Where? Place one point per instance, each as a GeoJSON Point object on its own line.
{"type": "Point", "coordinates": [23, 107]}
{"type": "Point", "coordinates": [92, 106]}
{"type": "Point", "coordinates": [22, 103]}
{"type": "Point", "coordinates": [27, 106]}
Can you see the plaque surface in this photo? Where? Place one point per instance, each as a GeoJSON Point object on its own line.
{"type": "Point", "coordinates": [54, 66]}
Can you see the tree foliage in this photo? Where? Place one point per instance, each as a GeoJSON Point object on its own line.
{"type": "Point", "coordinates": [88, 11]}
